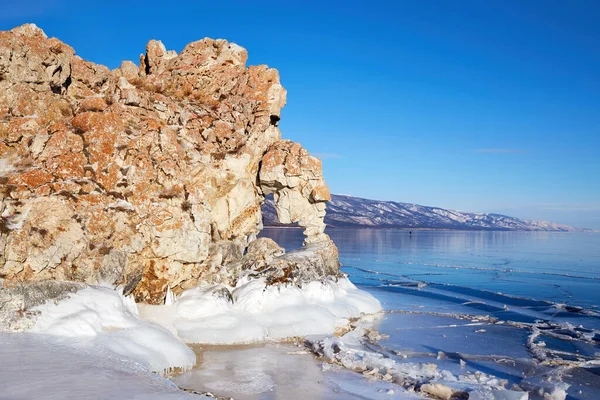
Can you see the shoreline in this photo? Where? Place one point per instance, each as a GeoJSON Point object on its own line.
{"type": "Point", "coordinates": [435, 229]}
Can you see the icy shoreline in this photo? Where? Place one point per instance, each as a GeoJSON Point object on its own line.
{"type": "Point", "coordinates": [99, 325]}
{"type": "Point", "coordinates": [154, 336]}
{"type": "Point", "coordinates": [338, 321]}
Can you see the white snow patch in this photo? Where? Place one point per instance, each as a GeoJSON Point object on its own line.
{"type": "Point", "coordinates": [256, 312]}
{"type": "Point", "coordinates": [102, 318]}
{"type": "Point", "coordinates": [37, 366]}
{"type": "Point", "coordinates": [556, 394]}
{"type": "Point", "coordinates": [99, 316]}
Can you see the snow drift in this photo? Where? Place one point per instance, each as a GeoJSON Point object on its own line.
{"type": "Point", "coordinates": [154, 336]}
{"type": "Point", "coordinates": [254, 311]}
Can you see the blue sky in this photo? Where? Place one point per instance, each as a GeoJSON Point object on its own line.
{"type": "Point", "coordinates": [473, 105]}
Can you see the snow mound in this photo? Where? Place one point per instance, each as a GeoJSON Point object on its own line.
{"type": "Point", "coordinates": [255, 312]}
{"type": "Point", "coordinates": [37, 366]}
{"type": "Point", "coordinates": [102, 317]}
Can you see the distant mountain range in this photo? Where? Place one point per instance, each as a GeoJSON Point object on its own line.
{"type": "Point", "coordinates": [348, 211]}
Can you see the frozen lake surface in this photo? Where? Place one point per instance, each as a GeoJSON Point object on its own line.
{"type": "Point", "coordinates": [521, 306]}
{"type": "Point", "coordinates": [478, 311]}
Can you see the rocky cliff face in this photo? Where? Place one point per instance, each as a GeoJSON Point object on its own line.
{"type": "Point", "coordinates": [148, 176]}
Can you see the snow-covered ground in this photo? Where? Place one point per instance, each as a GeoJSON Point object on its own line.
{"type": "Point", "coordinates": [100, 317]}
{"type": "Point", "coordinates": [97, 343]}
{"type": "Point", "coordinates": [39, 366]}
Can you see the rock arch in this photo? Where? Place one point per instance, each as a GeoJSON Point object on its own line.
{"type": "Point", "coordinates": [299, 191]}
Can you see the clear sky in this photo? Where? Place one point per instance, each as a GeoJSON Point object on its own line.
{"type": "Point", "coordinates": [476, 105]}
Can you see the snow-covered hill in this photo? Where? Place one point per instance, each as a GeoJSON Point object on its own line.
{"type": "Point", "coordinates": [349, 211]}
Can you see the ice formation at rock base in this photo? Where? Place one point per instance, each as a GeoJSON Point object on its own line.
{"type": "Point", "coordinates": [154, 336]}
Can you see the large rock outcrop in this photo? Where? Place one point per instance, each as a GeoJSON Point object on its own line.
{"type": "Point", "coordinates": [145, 176]}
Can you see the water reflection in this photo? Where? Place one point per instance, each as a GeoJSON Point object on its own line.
{"type": "Point", "coordinates": [557, 267]}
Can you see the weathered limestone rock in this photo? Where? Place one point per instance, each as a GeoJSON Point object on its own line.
{"type": "Point", "coordinates": [266, 259]}
{"type": "Point", "coordinates": [304, 265]}
{"type": "Point", "coordinates": [259, 255]}
{"type": "Point", "coordinates": [145, 177]}
{"type": "Point", "coordinates": [296, 181]}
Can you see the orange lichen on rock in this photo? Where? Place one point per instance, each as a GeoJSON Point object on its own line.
{"type": "Point", "coordinates": [133, 176]}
